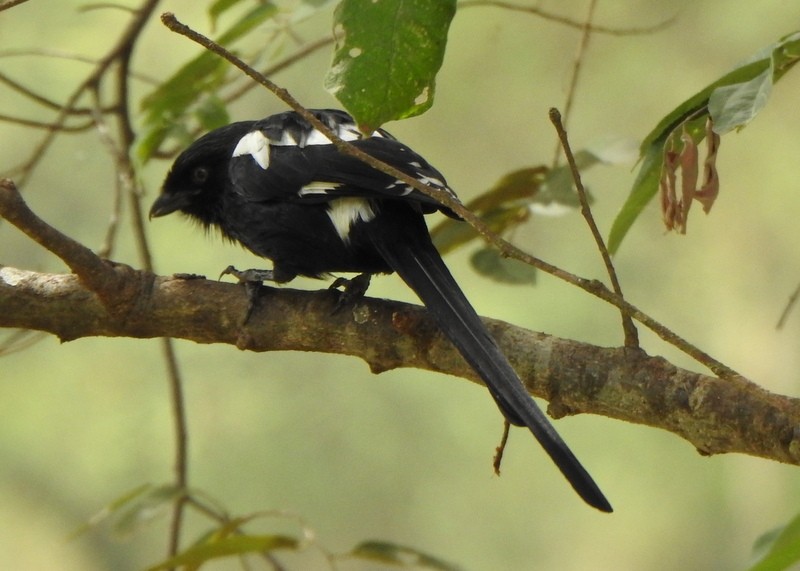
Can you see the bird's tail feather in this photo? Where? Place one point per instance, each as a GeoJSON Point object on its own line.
{"type": "Point", "coordinates": [419, 264]}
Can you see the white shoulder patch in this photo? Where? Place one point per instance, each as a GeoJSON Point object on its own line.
{"type": "Point", "coordinates": [255, 144]}
{"type": "Point", "coordinates": [344, 212]}
{"type": "Point", "coordinates": [314, 137]}
{"type": "Point", "coordinates": [345, 131]}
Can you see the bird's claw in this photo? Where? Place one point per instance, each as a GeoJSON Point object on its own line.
{"type": "Point", "coordinates": [252, 280]}
{"type": "Point", "coordinates": [352, 290]}
{"type": "Point", "coordinates": [249, 276]}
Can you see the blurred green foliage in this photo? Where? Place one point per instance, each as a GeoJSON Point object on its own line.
{"type": "Point", "coordinates": [400, 456]}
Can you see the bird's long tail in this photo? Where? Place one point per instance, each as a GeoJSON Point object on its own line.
{"type": "Point", "coordinates": [419, 264]}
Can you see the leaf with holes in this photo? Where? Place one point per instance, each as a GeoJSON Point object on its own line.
{"type": "Point", "coordinates": [387, 56]}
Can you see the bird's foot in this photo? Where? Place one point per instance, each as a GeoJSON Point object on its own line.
{"type": "Point", "coordinates": [252, 280]}
{"type": "Point", "coordinates": [352, 290]}
{"type": "Point", "coordinates": [248, 276]}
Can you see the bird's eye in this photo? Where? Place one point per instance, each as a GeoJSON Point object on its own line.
{"type": "Point", "coordinates": [200, 175]}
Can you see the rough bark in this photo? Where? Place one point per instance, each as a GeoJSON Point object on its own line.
{"type": "Point", "coordinates": [715, 415]}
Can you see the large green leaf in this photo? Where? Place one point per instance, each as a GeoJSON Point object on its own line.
{"type": "Point", "coordinates": [387, 56]}
{"type": "Point", "coordinates": [731, 102]}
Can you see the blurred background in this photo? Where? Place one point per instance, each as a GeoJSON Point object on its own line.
{"type": "Point", "coordinates": [406, 456]}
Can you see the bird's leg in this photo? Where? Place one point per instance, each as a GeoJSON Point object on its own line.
{"type": "Point", "coordinates": [252, 280]}
{"type": "Point", "coordinates": [353, 289]}
{"type": "Point", "coordinates": [251, 275]}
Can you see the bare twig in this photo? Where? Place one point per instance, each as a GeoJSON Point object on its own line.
{"type": "Point", "coordinates": [564, 20]}
{"type": "Point", "coordinates": [106, 6]}
{"type": "Point", "coordinates": [33, 96]}
{"type": "Point", "coordinates": [19, 341]}
{"type": "Point", "coordinates": [128, 179]}
{"type": "Point", "coordinates": [10, 4]}
{"type": "Point", "coordinates": [583, 44]}
{"type": "Point", "coordinates": [290, 60]}
{"type": "Point", "coordinates": [104, 132]}
{"type": "Point", "coordinates": [448, 200]}
{"type": "Point", "coordinates": [123, 47]}
{"type": "Point", "coordinates": [98, 275]}
{"type": "Point", "coordinates": [631, 335]}
{"type": "Point", "coordinates": [118, 60]}
{"type": "Point", "coordinates": [788, 309]}
{"type": "Point", "coordinates": [501, 448]}
{"type": "Point", "coordinates": [49, 126]}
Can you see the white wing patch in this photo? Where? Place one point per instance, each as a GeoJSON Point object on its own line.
{"type": "Point", "coordinates": [344, 212]}
{"type": "Point", "coordinates": [256, 145]}
{"type": "Point", "coordinates": [318, 187]}
{"type": "Point", "coordinates": [431, 181]}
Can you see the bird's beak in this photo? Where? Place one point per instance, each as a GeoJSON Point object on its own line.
{"type": "Point", "coordinates": [167, 203]}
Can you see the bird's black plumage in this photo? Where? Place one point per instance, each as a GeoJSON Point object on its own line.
{"type": "Point", "coordinates": [281, 189]}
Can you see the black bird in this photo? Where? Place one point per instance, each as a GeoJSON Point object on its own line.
{"type": "Point", "coordinates": [279, 187]}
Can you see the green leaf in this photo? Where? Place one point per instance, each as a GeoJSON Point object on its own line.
{"type": "Point", "coordinates": [211, 113]}
{"type": "Point", "coordinates": [558, 187]}
{"type": "Point", "coordinates": [170, 103]}
{"type": "Point", "coordinates": [490, 263]}
{"type": "Point", "coordinates": [399, 555]}
{"type": "Point", "coordinates": [113, 508]}
{"type": "Point", "coordinates": [501, 207]}
{"type": "Point", "coordinates": [644, 188]}
{"type": "Point", "coordinates": [144, 509]}
{"type": "Point", "coordinates": [732, 101]}
{"type": "Point", "coordinates": [197, 555]}
{"type": "Point", "coordinates": [734, 106]}
{"type": "Point", "coordinates": [387, 56]}
{"type": "Point", "coordinates": [512, 199]}
{"type": "Point", "coordinates": [778, 549]}
{"type": "Point", "coordinates": [218, 8]}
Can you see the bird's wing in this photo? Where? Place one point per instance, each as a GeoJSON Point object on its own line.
{"type": "Point", "coordinates": [284, 158]}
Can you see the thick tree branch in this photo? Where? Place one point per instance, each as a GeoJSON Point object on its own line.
{"type": "Point", "coordinates": [113, 300]}
{"type": "Point", "coordinates": [715, 415]}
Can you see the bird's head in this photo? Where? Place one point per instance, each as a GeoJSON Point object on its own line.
{"type": "Point", "coordinates": [198, 177]}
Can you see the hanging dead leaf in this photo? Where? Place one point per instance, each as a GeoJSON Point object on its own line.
{"type": "Point", "coordinates": [683, 153]}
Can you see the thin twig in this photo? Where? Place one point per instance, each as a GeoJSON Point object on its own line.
{"type": "Point", "coordinates": [564, 20]}
{"type": "Point", "coordinates": [448, 200]}
{"type": "Point", "coordinates": [788, 309]}
{"type": "Point", "coordinates": [41, 99]}
{"type": "Point", "coordinates": [180, 426]}
{"type": "Point", "coordinates": [501, 448]}
{"type": "Point", "coordinates": [300, 54]}
{"type": "Point", "coordinates": [20, 340]}
{"type": "Point", "coordinates": [121, 54]}
{"type": "Point", "coordinates": [70, 56]}
{"type": "Point", "coordinates": [97, 275]}
{"type": "Point", "coordinates": [629, 329]}
{"type": "Point", "coordinates": [124, 45]}
{"type": "Point", "coordinates": [583, 45]}
{"type": "Point", "coordinates": [49, 126]}
{"type": "Point", "coordinates": [10, 4]}
{"type": "Point", "coordinates": [104, 133]}
{"type": "Point", "coordinates": [105, 6]}
{"type": "Point", "coordinates": [175, 382]}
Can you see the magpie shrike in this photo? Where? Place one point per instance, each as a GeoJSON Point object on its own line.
{"type": "Point", "coordinates": [279, 187]}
